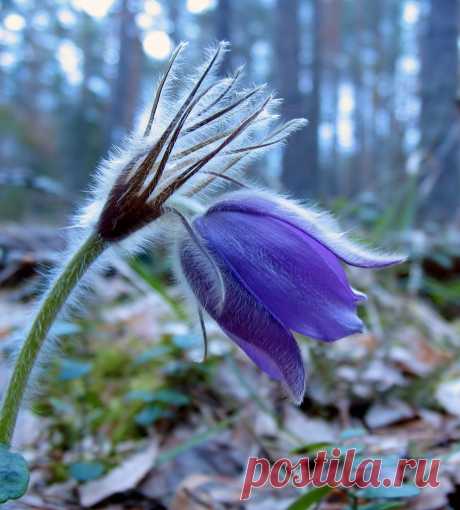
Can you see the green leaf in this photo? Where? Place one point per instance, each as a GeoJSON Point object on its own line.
{"type": "Point", "coordinates": [152, 354]}
{"type": "Point", "coordinates": [142, 395]}
{"type": "Point", "coordinates": [150, 415]}
{"type": "Point", "coordinates": [164, 395]}
{"type": "Point", "coordinates": [86, 471]}
{"type": "Point", "coordinates": [311, 448]}
{"type": "Point", "coordinates": [171, 397]}
{"type": "Point", "coordinates": [405, 491]}
{"type": "Point", "coordinates": [60, 406]}
{"type": "Point", "coordinates": [14, 475]}
{"type": "Point", "coordinates": [444, 292]}
{"type": "Point", "coordinates": [73, 369]}
{"type": "Point", "coordinates": [308, 499]}
{"type": "Point", "coordinates": [394, 505]}
{"type": "Point", "coordinates": [352, 433]}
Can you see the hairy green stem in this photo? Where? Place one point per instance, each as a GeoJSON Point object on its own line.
{"type": "Point", "coordinates": [46, 315]}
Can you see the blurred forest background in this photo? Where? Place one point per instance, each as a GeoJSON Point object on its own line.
{"type": "Point", "coordinates": [378, 82]}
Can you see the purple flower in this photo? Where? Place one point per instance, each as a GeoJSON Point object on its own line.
{"type": "Point", "coordinates": [262, 266]}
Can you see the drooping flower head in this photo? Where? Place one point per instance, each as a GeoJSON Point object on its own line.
{"type": "Point", "coordinates": [263, 267]}
{"type": "Point", "coordinates": [260, 265]}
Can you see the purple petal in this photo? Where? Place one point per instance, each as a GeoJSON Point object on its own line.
{"type": "Point", "coordinates": [246, 321]}
{"type": "Point", "coordinates": [300, 281]}
{"type": "Point", "coordinates": [320, 226]}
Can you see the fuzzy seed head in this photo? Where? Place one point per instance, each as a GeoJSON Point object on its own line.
{"type": "Point", "coordinates": [197, 122]}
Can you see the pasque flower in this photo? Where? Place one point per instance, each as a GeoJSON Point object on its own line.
{"type": "Point", "coordinates": [263, 266]}
{"type": "Point", "coordinates": [198, 130]}
{"type": "Point", "coordinates": [258, 264]}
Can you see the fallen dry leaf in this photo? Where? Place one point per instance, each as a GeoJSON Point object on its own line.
{"type": "Point", "coordinates": [381, 415]}
{"type": "Point", "coordinates": [201, 492]}
{"type": "Point", "coordinates": [448, 395]}
{"type": "Point", "coordinates": [305, 428]}
{"type": "Point", "coordinates": [123, 478]}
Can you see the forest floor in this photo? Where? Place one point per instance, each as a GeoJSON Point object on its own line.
{"type": "Point", "coordinates": [129, 417]}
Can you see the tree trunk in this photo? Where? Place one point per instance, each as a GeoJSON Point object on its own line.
{"type": "Point", "coordinates": [125, 92]}
{"type": "Point", "coordinates": [439, 116]}
{"type": "Point", "coordinates": [300, 157]}
{"type": "Point", "coordinates": [314, 102]}
{"type": "Point", "coordinates": [331, 48]}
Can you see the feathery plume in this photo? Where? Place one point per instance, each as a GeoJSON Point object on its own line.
{"type": "Point", "coordinates": [214, 124]}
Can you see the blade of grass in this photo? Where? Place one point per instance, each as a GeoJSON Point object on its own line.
{"type": "Point", "coordinates": [194, 440]}
{"type": "Point", "coordinates": [157, 285]}
{"type": "Point", "coordinates": [310, 498]}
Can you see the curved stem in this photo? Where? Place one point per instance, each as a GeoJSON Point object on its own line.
{"type": "Point", "coordinates": [46, 315]}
